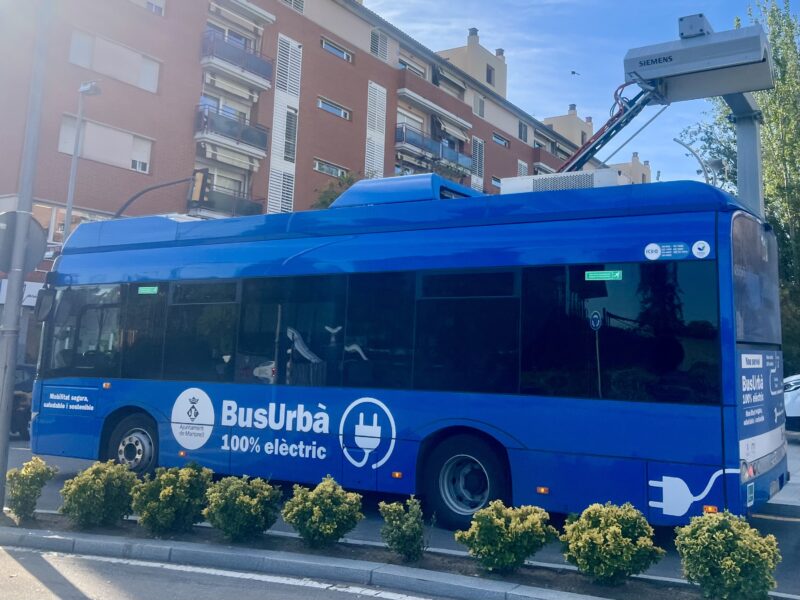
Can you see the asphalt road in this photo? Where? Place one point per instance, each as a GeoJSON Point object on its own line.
{"type": "Point", "coordinates": [786, 529]}
{"type": "Point", "coordinates": [34, 575]}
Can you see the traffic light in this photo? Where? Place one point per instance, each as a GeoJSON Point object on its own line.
{"type": "Point", "coordinates": [201, 186]}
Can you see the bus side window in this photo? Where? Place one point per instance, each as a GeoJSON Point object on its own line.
{"type": "Point", "coordinates": [467, 332]}
{"type": "Point", "coordinates": [143, 335]}
{"type": "Point", "coordinates": [379, 336]}
{"type": "Point", "coordinates": [201, 332]}
{"type": "Point", "coordinates": [292, 330]}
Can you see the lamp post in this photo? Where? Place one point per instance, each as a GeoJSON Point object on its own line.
{"type": "Point", "coordinates": [703, 165]}
{"type": "Point", "coordinates": [87, 88]}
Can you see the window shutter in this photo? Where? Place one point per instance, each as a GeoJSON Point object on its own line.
{"type": "Point", "coordinates": [281, 192]}
{"type": "Point", "coordinates": [376, 130]}
{"type": "Point", "coordinates": [282, 178]}
{"type": "Point", "coordinates": [148, 75]}
{"type": "Point", "coordinates": [522, 168]}
{"type": "Point", "coordinates": [289, 64]}
{"type": "Point", "coordinates": [379, 44]}
{"type": "Point", "coordinates": [81, 48]}
{"type": "Point", "coordinates": [477, 164]}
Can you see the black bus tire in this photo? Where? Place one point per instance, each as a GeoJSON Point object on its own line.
{"type": "Point", "coordinates": [134, 442]}
{"type": "Point", "coordinates": [462, 474]}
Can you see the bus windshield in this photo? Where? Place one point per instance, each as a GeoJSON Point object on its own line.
{"type": "Point", "coordinates": [755, 282]}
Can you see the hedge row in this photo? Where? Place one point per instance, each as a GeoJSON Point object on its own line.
{"type": "Point", "coordinates": [726, 557]}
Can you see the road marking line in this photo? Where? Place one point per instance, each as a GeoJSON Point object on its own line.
{"type": "Point", "coordinates": [776, 518]}
{"type": "Point", "coordinates": [279, 579]}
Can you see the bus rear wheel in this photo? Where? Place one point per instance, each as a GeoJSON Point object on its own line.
{"type": "Point", "coordinates": [134, 442]}
{"type": "Point", "coordinates": [462, 475]}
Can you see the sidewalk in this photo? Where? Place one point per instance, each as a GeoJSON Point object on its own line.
{"type": "Point", "coordinates": [407, 579]}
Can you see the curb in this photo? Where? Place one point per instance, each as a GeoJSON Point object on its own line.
{"type": "Point", "coordinates": [272, 562]}
{"type": "Point", "coordinates": [778, 509]}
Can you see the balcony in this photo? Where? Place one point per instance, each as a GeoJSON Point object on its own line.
{"type": "Point", "coordinates": [408, 138]}
{"type": "Point", "coordinates": [214, 126]}
{"type": "Point", "coordinates": [223, 201]}
{"type": "Point", "coordinates": [232, 60]}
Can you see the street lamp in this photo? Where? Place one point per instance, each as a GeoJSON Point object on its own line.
{"type": "Point", "coordinates": [87, 88]}
{"type": "Point", "coordinates": [699, 160]}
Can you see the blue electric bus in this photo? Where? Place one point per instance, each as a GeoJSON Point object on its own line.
{"type": "Point", "coordinates": [552, 348]}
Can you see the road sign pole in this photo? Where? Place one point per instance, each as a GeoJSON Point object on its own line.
{"type": "Point", "coordinates": [9, 326]}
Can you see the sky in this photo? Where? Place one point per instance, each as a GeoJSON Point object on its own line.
{"type": "Point", "coordinates": [544, 40]}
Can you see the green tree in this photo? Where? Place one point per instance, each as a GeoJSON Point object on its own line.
{"type": "Point", "coordinates": [335, 189]}
{"type": "Point", "coordinates": [780, 140]}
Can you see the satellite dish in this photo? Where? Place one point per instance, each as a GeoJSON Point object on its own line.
{"type": "Point", "coordinates": [34, 249]}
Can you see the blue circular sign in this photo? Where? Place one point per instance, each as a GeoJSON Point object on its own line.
{"type": "Point", "coordinates": [595, 321]}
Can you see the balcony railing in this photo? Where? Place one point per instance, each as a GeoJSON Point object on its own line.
{"type": "Point", "coordinates": [212, 120]}
{"type": "Point", "coordinates": [404, 134]}
{"type": "Point", "coordinates": [229, 202]}
{"type": "Point", "coordinates": [214, 44]}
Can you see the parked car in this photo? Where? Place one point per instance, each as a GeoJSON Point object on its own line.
{"type": "Point", "coordinates": [791, 398]}
{"type": "Point", "coordinates": [21, 408]}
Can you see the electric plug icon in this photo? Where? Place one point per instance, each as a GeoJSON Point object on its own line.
{"type": "Point", "coordinates": [677, 498]}
{"type": "Point", "coordinates": [368, 436]}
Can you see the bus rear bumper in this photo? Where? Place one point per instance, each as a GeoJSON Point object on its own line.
{"type": "Point", "coordinates": [758, 492]}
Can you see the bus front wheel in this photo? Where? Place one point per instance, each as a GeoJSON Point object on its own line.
{"type": "Point", "coordinates": [134, 442]}
{"type": "Point", "coordinates": [463, 474]}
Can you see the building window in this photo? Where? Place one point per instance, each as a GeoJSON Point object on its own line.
{"type": "Point", "coordinates": [336, 50]}
{"type": "Point", "coordinates": [114, 60]}
{"type": "Point", "coordinates": [523, 131]}
{"type": "Point", "coordinates": [329, 168]}
{"type": "Point", "coordinates": [412, 67]}
{"type": "Point", "coordinates": [490, 74]}
{"type": "Point", "coordinates": [333, 108]}
{"type": "Point", "coordinates": [298, 5]}
{"type": "Point", "coordinates": [496, 182]}
{"type": "Point", "coordinates": [583, 138]}
{"type": "Point", "coordinates": [107, 145]}
{"type": "Point", "coordinates": [379, 44]}
{"type": "Point", "coordinates": [500, 140]}
{"type": "Point", "coordinates": [290, 137]}
{"type": "Point", "coordinates": [156, 7]}
{"type": "Point", "coordinates": [478, 105]}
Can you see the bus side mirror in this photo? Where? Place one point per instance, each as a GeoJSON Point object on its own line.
{"type": "Point", "coordinates": [45, 302]}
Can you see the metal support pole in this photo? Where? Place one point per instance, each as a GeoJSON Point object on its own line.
{"type": "Point", "coordinates": [749, 176]}
{"type": "Point", "coordinates": [9, 327]}
{"type": "Point", "coordinates": [73, 167]}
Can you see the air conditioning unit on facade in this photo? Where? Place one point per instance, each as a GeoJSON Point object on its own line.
{"type": "Point", "coordinates": [562, 181]}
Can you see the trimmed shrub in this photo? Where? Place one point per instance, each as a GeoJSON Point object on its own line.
{"type": "Point", "coordinates": [25, 485]}
{"type": "Point", "coordinates": [173, 500]}
{"type": "Point", "coordinates": [403, 528]}
{"type": "Point", "coordinates": [322, 515]}
{"type": "Point", "coordinates": [501, 537]}
{"type": "Point", "coordinates": [242, 508]}
{"type": "Point", "coordinates": [99, 495]}
{"type": "Point", "coordinates": [610, 543]}
{"type": "Point", "coordinates": [727, 558]}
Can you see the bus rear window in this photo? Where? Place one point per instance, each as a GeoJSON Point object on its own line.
{"type": "Point", "coordinates": [755, 282]}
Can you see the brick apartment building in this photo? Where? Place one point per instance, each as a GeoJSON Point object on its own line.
{"type": "Point", "coordinates": [277, 98]}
